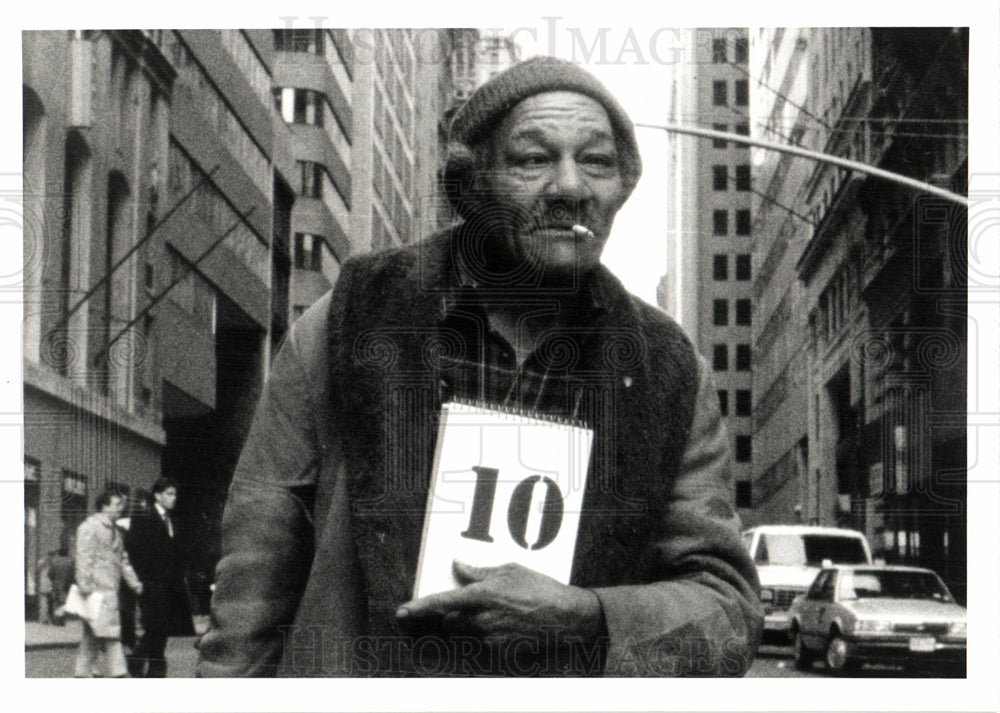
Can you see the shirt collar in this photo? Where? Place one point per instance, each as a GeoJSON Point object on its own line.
{"type": "Point", "coordinates": [161, 511]}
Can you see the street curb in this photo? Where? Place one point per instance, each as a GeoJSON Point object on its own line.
{"type": "Point", "coordinates": [51, 645]}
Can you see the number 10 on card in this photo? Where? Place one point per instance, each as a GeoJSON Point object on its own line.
{"type": "Point", "coordinates": [518, 501]}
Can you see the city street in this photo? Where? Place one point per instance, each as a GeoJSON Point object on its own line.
{"type": "Point", "coordinates": [57, 662]}
{"type": "Point", "coordinates": [775, 661]}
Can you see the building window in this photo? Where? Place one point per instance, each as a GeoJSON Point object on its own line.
{"type": "Point", "coordinates": [310, 179]}
{"type": "Point", "coordinates": [742, 357]}
{"type": "Point", "coordinates": [300, 106]}
{"type": "Point", "coordinates": [743, 129]}
{"type": "Point", "coordinates": [743, 266]}
{"type": "Point", "coordinates": [308, 252]}
{"type": "Point", "coordinates": [720, 143]}
{"type": "Point", "coordinates": [720, 313]}
{"type": "Point", "coordinates": [719, 51]}
{"type": "Point", "coordinates": [742, 92]}
{"type": "Point", "coordinates": [720, 222]}
{"type": "Point", "coordinates": [719, 90]}
{"type": "Point", "coordinates": [720, 357]}
{"type": "Point", "coordinates": [73, 503]}
{"type": "Point", "coordinates": [743, 449]}
{"type": "Point", "coordinates": [743, 313]}
{"type": "Point", "coordinates": [304, 40]}
{"type": "Point", "coordinates": [742, 402]}
{"type": "Point", "coordinates": [743, 177]}
{"type": "Point", "coordinates": [744, 494]}
{"type": "Point", "coordinates": [723, 402]}
{"type": "Point", "coordinates": [720, 178]}
{"type": "Point", "coordinates": [720, 267]}
{"type": "Point", "coordinates": [742, 52]}
{"type": "Point", "coordinates": [743, 222]}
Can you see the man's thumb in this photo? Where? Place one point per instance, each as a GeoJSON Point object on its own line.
{"type": "Point", "coordinates": [467, 573]}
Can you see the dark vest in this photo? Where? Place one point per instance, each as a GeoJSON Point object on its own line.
{"type": "Point", "coordinates": [641, 378]}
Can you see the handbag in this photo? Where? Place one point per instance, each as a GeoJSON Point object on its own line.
{"type": "Point", "coordinates": [84, 606]}
{"type": "Point", "coordinates": [76, 602]}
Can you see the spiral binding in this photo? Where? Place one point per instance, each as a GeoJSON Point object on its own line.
{"type": "Point", "coordinates": [511, 412]}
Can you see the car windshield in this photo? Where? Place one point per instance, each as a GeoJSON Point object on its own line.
{"type": "Point", "coordinates": [890, 584]}
{"type": "Point", "coordinates": [810, 550]}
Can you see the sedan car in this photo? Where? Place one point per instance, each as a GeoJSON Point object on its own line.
{"type": "Point", "coordinates": [884, 614]}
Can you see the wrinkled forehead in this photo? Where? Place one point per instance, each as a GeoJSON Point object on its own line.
{"type": "Point", "coordinates": [562, 113]}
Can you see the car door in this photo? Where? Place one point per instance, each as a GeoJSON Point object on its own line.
{"type": "Point", "coordinates": [813, 609]}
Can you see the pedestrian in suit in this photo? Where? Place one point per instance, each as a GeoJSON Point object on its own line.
{"type": "Point", "coordinates": [153, 544]}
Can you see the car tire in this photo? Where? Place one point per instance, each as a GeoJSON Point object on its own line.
{"type": "Point", "coordinates": [838, 655]}
{"type": "Point", "coordinates": [802, 656]}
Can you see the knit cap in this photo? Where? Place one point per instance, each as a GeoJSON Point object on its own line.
{"type": "Point", "coordinates": [487, 106]}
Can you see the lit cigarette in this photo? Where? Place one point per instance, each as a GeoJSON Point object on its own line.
{"type": "Point", "coordinates": [583, 231]}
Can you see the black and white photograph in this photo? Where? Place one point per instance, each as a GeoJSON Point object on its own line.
{"type": "Point", "coordinates": [474, 348]}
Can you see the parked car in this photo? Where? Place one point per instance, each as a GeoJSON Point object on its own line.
{"type": "Point", "coordinates": [885, 614]}
{"type": "Point", "coordinates": [788, 557]}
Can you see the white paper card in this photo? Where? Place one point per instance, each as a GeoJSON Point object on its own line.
{"type": "Point", "coordinates": [505, 487]}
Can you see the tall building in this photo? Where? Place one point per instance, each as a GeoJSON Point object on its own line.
{"type": "Point", "coordinates": [148, 293]}
{"type": "Point", "coordinates": [709, 288]}
{"type": "Point", "coordinates": [861, 342]}
{"type": "Point", "coordinates": [313, 91]}
{"type": "Point", "coordinates": [402, 83]}
{"type": "Point", "coordinates": [495, 52]}
{"type": "Point", "coordinates": [779, 63]}
{"type": "Point", "coordinates": [186, 195]}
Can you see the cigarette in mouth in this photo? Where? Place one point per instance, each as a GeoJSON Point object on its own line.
{"type": "Point", "coordinates": [583, 231]}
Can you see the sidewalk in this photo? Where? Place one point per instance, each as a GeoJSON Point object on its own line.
{"type": "Point", "coordinates": [49, 636]}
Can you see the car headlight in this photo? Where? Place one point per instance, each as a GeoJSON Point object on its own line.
{"type": "Point", "coordinates": [767, 595]}
{"type": "Point", "coordinates": [873, 626]}
{"type": "Point", "coordinates": [958, 628]}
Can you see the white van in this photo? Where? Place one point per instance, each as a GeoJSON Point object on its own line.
{"type": "Point", "coordinates": [788, 558]}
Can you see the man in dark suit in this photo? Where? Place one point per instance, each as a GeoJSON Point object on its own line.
{"type": "Point", "coordinates": [153, 547]}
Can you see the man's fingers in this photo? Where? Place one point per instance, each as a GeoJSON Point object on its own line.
{"type": "Point", "coordinates": [434, 605]}
{"type": "Point", "coordinates": [467, 573]}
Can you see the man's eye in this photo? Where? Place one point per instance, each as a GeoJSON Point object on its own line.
{"type": "Point", "coordinates": [532, 159]}
{"type": "Point", "coordinates": [600, 160]}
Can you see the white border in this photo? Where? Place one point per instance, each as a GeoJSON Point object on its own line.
{"type": "Point", "coordinates": [977, 693]}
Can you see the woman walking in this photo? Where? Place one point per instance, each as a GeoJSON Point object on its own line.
{"type": "Point", "coordinates": [101, 563]}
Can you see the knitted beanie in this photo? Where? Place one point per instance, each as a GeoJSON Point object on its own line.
{"type": "Point", "coordinates": [487, 106]}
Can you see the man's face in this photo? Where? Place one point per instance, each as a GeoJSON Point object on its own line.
{"type": "Point", "coordinates": [555, 165]}
{"type": "Point", "coordinates": [167, 498]}
{"type": "Point", "coordinates": [114, 506]}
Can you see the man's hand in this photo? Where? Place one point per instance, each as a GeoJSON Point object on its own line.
{"type": "Point", "coordinates": [137, 588]}
{"type": "Point", "coordinates": [506, 603]}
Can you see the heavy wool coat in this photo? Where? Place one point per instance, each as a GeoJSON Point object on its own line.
{"type": "Point", "coordinates": [101, 563]}
{"type": "Point", "coordinates": [322, 527]}
{"type": "Point", "coordinates": [165, 601]}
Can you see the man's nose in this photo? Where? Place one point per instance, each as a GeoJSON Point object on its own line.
{"type": "Point", "coordinates": [568, 179]}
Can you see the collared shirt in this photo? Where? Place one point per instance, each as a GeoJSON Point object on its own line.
{"type": "Point", "coordinates": [165, 516]}
{"type": "Point", "coordinates": [481, 365]}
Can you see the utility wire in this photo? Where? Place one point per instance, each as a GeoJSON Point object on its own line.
{"type": "Point", "coordinates": [813, 155]}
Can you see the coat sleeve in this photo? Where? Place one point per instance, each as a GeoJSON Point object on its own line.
{"type": "Point", "coordinates": [701, 614]}
{"type": "Point", "coordinates": [267, 531]}
{"type": "Point", "coordinates": [85, 560]}
{"type": "Point", "coordinates": [128, 572]}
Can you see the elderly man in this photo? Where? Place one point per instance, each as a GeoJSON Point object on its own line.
{"type": "Point", "coordinates": [512, 308]}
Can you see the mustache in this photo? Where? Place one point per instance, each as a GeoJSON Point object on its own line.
{"type": "Point", "coordinates": [556, 214]}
